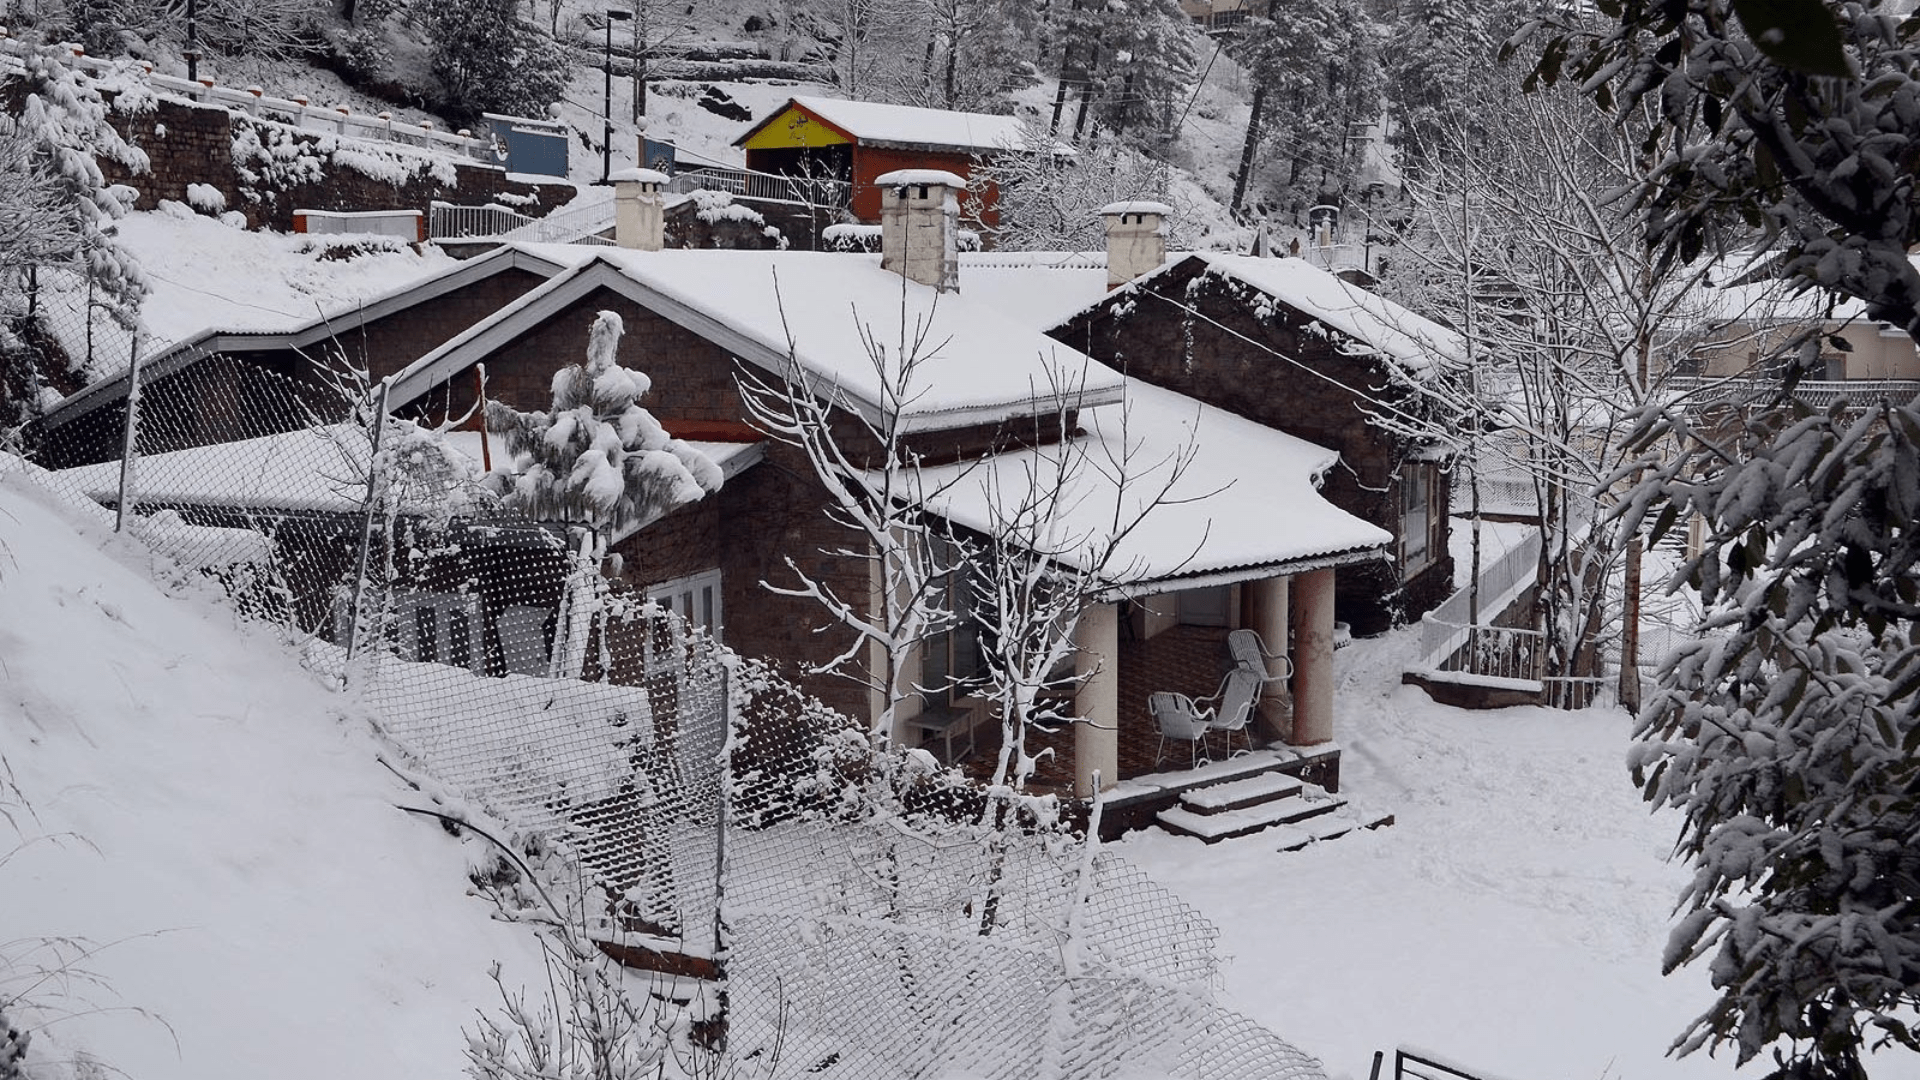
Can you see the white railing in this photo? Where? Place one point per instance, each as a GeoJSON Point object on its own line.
{"type": "Point", "coordinates": [1498, 652]}
{"type": "Point", "coordinates": [448, 222]}
{"type": "Point", "coordinates": [758, 185]}
{"type": "Point", "coordinates": [1445, 629]}
{"type": "Point", "coordinates": [568, 225]}
{"type": "Point", "coordinates": [297, 111]}
{"type": "Point", "coordinates": [1336, 256]}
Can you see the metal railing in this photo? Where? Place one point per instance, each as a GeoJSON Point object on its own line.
{"type": "Point", "coordinates": [568, 225]}
{"type": "Point", "coordinates": [1498, 652]}
{"type": "Point", "coordinates": [297, 112]}
{"type": "Point", "coordinates": [1757, 389]}
{"type": "Point", "coordinates": [1410, 1066]}
{"type": "Point", "coordinates": [1444, 630]}
{"type": "Point", "coordinates": [1337, 256]}
{"type": "Point", "coordinates": [834, 194]}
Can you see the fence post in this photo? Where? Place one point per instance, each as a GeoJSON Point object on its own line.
{"type": "Point", "coordinates": [354, 614]}
{"type": "Point", "coordinates": [130, 436]}
{"type": "Point", "coordinates": [718, 1021]}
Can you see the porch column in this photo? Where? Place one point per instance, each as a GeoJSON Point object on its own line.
{"type": "Point", "coordinates": [1312, 658]}
{"type": "Point", "coordinates": [1096, 705]}
{"type": "Point", "coordinates": [1267, 611]}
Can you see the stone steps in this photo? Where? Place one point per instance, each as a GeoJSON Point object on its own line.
{"type": "Point", "coordinates": [1297, 813]}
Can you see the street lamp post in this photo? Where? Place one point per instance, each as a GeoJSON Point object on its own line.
{"type": "Point", "coordinates": [193, 43]}
{"type": "Point", "coordinates": [606, 146]}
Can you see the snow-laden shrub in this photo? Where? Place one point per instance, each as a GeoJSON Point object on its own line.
{"type": "Point", "coordinates": [206, 198]}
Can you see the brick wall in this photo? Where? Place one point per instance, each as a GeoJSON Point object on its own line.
{"type": "Point", "coordinates": [387, 344]}
{"type": "Point", "coordinates": [188, 144]}
{"type": "Point", "coordinates": [1207, 356]}
{"type": "Point", "coordinates": [761, 517]}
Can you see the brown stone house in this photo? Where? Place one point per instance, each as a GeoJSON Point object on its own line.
{"type": "Point", "coordinates": [1289, 345]}
{"type": "Point", "coordinates": [1250, 516]}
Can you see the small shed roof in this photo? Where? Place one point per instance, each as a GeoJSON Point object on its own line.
{"type": "Point", "coordinates": [904, 126]}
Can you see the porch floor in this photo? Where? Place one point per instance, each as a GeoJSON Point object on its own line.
{"type": "Point", "coordinates": [1188, 659]}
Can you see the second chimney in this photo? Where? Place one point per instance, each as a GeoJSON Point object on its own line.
{"type": "Point", "coordinates": [639, 209]}
{"type": "Point", "coordinates": [1136, 239]}
{"type": "Point", "coordinates": [920, 226]}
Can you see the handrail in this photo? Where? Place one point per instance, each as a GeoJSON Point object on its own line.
{"type": "Point", "coordinates": [747, 184]}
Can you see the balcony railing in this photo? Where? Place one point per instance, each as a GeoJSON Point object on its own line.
{"type": "Point", "coordinates": [569, 225]}
{"type": "Point", "coordinates": [1754, 390]}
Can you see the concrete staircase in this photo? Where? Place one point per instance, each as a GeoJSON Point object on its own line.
{"type": "Point", "coordinates": [1294, 812]}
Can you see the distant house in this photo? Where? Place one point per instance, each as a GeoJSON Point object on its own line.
{"type": "Point", "coordinates": [1292, 346]}
{"type": "Point", "coordinates": [1754, 328]}
{"type": "Point", "coordinates": [859, 141]}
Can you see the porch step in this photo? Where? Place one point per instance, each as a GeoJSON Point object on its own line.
{"type": "Point", "coordinates": [1241, 794]}
{"type": "Point", "coordinates": [1298, 835]}
{"type": "Point", "coordinates": [1227, 824]}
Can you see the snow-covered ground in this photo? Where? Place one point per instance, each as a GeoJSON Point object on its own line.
{"type": "Point", "coordinates": [1511, 920]}
{"type": "Point", "coordinates": [213, 831]}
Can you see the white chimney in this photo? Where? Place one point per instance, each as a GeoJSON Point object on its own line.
{"type": "Point", "coordinates": [1136, 239]}
{"type": "Point", "coordinates": [920, 226]}
{"type": "Point", "coordinates": [639, 209]}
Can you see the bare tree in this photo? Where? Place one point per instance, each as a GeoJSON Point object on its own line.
{"type": "Point", "coordinates": [1569, 324]}
{"type": "Point", "coordinates": [872, 473]}
{"type": "Point", "coordinates": [1058, 517]}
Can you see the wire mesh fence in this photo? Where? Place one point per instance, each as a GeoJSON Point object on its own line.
{"type": "Point", "coordinates": [872, 914]}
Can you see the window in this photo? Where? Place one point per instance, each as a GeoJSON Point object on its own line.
{"type": "Point", "coordinates": [951, 665]}
{"type": "Point", "coordinates": [1417, 516]}
{"type": "Point", "coordinates": [436, 628]}
{"type": "Point", "coordinates": [695, 598]}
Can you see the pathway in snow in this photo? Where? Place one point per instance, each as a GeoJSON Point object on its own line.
{"type": "Point", "coordinates": [1512, 920]}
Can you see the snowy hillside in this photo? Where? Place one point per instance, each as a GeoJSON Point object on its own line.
{"type": "Point", "coordinates": [215, 833]}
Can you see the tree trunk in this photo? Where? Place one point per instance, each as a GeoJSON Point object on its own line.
{"type": "Point", "coordinates": [1246, 152]}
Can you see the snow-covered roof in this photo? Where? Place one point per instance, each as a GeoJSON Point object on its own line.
{"type": "Point", "coordinates": [161, 358]}
{"type": "Point", "coordinates": [820, 308]}
{"type": "Point", "coordinates": [317, 469]}
{"type": "Point", "coordinates": [1245, 502]}
{"type": "Point", "coordinates": [1039, 289]}
{"type": "Point", "coordinates": [1382, 327]}
{"type": "Point", "coordinates": [872, 123]}
{"type": "Point", "coordinates": [1135, 206]}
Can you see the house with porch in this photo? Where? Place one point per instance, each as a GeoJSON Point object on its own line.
{"type": "Point", "coordinates": [1246, 539]}
{"type": "Point", "coordinates": [1292, 346]}
{"type": "Point", "coordinates": [1247, 517]}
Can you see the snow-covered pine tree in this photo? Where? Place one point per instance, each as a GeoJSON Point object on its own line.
{"type": "Point", "coordinates": [595, 459]}
{"type": "Point", "coordinates": [488, 59]}
{"type": "Point", "coordinates": [1789, 735]}
{"type": "Point", "coordinates": [64, 119]}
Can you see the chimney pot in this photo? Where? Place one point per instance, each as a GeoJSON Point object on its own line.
{"type": "Point", "coordinates": [920, 226]}
{"type": "Point", "coordinates": [1136, 239]}
{"type": "Point", "coordinates": [639, 209]}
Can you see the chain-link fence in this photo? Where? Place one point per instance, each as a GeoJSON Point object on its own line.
{"type": "Point", "coordinates": [872, 914]}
